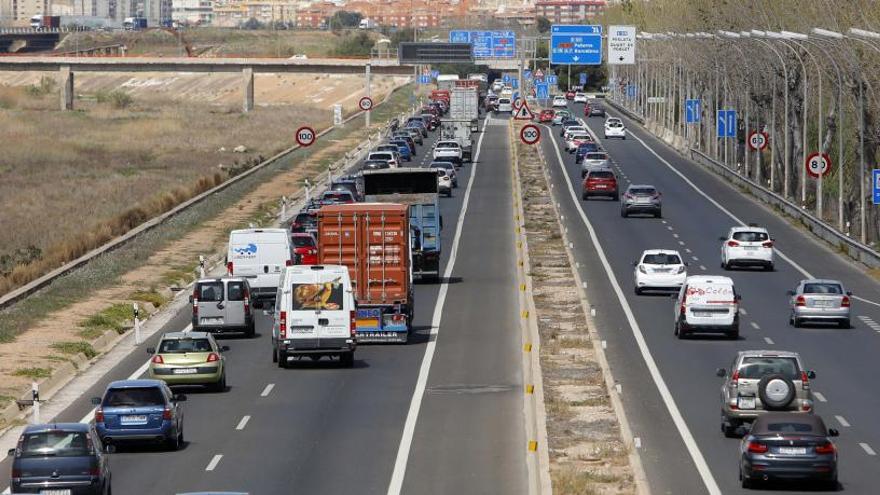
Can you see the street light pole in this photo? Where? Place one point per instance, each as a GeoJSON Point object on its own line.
{"type": "Point", "coordinates": [787, 146]}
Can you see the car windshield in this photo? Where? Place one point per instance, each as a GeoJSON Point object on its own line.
{"type": "Point", "coordinates": [785, 427]}
{"type": "Point", "coordinates": [303, 241]}
{"type": "Point", "coordinates": [649, 191]}
{"type": "Point", "coordinates": [750, 236]}
{"type": "Point", "coordinates": [210, 291]}
{"type": "Point", "coordinates": [55, 443]}
{"type": "Point", "coordinates": [755, 368]}
{"type": "Point", "coordinates": [661, 259]}
{"type": "Point", "coordinates": [181, 346]}
{"type": "Point", "coordinates": [823, 289]}
{"type": "Point", "coordinates": [134, 397]}
{"type": "Point", "coordinates": [602, 175]}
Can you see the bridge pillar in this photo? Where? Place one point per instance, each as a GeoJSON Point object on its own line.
{"type": "Point", "coordinates": [368, 90]}
{"type": "Point", "coordinates": [248, 86]}
{"type": "Point", "coordinates": [66, 83]}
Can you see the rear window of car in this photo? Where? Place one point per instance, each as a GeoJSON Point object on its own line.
{"type": "Point", "coordinates": [381, 156]}
{"type": "Point", "coordinates": [602, 175]}
{"type": "Point", "coordinates": [823, 289]}
{"type": "Point", "coordinates": [596, 156]}
{"type": "Point", "coordinates": [180, 346]}
{"type": "Point", "coordinates": [325, 296]}
{"type": "Point", "coordinates": [388, 147]}
{"type": "Point", "coordinates": [305, 218]}
{"type": "Point", "coordinates": [235, 291]}
{"type": "Point", "coordinates": [134, 397]}
{"type": "Point", "coordinates": [661, 259]}
{"type": "Point", "coordinates": [787, 427]}
{"type": "Point", "coordinates": [448, 144]}
{"type": "Point", "coordinates": [303, 241]}
{"type": "Point", "coordinates": [755, 368]}
{"type": "Point", "coordinates": [56, 443]}
{"type": "Point", "coordinates": [642, 190]}
{"type": "Point", "coordinates": [210, 291]}
{"type": "Point", "coordinates": [750, 236]}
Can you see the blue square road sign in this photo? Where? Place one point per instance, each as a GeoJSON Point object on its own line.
{"type": "Point", "coordinates": [575, 44]}
{"type": "Point", "coordinates": [876, 181]}
{"type": "Point", "coordinates": [726, 123]}
{"type": "Point", "coordinates": [693, 110]}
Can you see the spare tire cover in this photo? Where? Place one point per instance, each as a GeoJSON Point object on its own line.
{"type": "Point", "coordinates": [776, 392]}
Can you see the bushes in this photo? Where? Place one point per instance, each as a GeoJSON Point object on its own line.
{"type": "Point", "coordinates": [117, 98]}
{"type": "Point", "coordinates": [46, 86]}
{"type": "Point", "coordinates": [359, 44]}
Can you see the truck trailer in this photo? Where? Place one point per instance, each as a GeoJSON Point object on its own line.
{"type": "Point", "coordinates": [463, 119]}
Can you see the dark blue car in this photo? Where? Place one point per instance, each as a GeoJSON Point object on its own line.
{"type": "Point", "coordinates": [60, 458]}
{"type": "Point", "coordinates": [583, 149]}
{"type": "Point", "coordinates": [405, 151]}
{"type": "Point", "coordinates": [140, 410]}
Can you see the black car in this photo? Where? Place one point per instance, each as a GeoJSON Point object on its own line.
{"type": "Point", "coordinates": [304, 221]}
{"type": "Point", "coordinates": [60, 458]}
{"type": "Point", "coordinates": [788, 446]}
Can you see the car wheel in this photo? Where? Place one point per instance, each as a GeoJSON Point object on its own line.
{"type": "Point", "coordinates": [844, 323]}
{"type": "Point", "coordinates": [768, 267]}
{"type": "Point", "coordinates": [220, 386]}
{"type": "Point", "coordinates": [658, 214]}
{"type": "Point", "coordinates": [638, 291]}
{"type": "Point", "coordinates": [251, 331]}
{"type": "Point", "coordinates": [615, 197]}
{"type": "Point", "coordinates": [734, 335]}
{"type": "Point", "coordinates": [282, 360]}
{"type": "Point", "coordinates": [729, 426]}
{"type": "Point", "coordinates": [796, 322]}
{"type": "Point", "coordinates": [347, 359]}
{"type": "Point", "coordinates": [744, 482]}
{"type": "Point", "coordinates": [725, 266]}
{"type": "Point", "coordinates": [623, 213]}
{"type": "Point", "coordinates": [173, 444]}
{"type": "Point", "coordinates": [274, 355]}
{"type": "Point", "coordinates": [585, 196]}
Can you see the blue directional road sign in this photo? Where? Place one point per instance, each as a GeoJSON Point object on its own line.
{"type": "Point", "coordinates": [514, 83]}
{"type": "Point", "coordinates": [487, 44]}
{"type": "Point", "coordinates": [583, 79]}
{"type": "Point", "coordinates": [527, 74]}
{"type": "Point", "coordinates": [575, 45]}
{"type": "Point", "coordinates": [542, 90]}
{"type": "Point", "coordinates": [552, 79]}
{"type": "Point", "coordinates": [693, 110]}
{"type": "Point", "coordinates": [726, 123]}
{"type": "Point", "coordinates": [876, 182]}
{"type": "Point", "coordinates": [506, 78]}
{"type": "Point", "coordinates": [631, 91]}
{"type": "Point", "coordinates": [424, 79]}
{"type": "Point", "coordinates": [459, 36]}
{"type": "Point", "coordinates": [435, 74]}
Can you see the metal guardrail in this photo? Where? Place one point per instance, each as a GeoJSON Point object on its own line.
{"type": "Point", "coordinates": [28, 289]}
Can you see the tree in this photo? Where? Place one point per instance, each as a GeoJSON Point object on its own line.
{"type": "Point", "coordinates": [345, 19]}
{"type": "Point", "coordinates": [543, 24]}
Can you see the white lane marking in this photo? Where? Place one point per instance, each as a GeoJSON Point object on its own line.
{"type": "Point", "coordinates": [241, 424]}
{"type": "Point", "coordinates": [268, 390]}
{"type": "Point", "coordinates": [675, 235]}
{"type": "Point", "coordinates": [677, 418]}
{"type": "Point", "coordinates": [703, 267]}
{"type": "Point", "coordinates": [755, 325]}
{"type": "Point", "coordinates": [819, 397]}
{"type": "Point", "coordinates": [669, 227]}
{"type": "Point", "coordinates": [769, 340]}
{"type": "Point", "coordinates": [843, 422]}
{"type": "Point", "coordinates": [681, 243]}
{"type": "Point", "coordinates": [743, 311]}
{"type": "Point", "coordinates": [688, 251]}
{"type": "Point", "coordinates": [663, 222]}
{"type": "Point", "coordinates": [135, 375]}
{"type": "Point", "coordinates": [412, 416]}
{"type": "Point", "coordinates": [214, 461]}
{"type": "Point", "coordinates": [867, 448]}
{"type": "Point", "coordinates": [727, 212]}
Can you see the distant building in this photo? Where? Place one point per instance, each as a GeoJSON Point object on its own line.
{"type": "Point", "coordinates": [20, 11]}
{"type": "Point", "coordinates": [192, 12]}
{"type": "Point", "coordinates": [265, 11]}
{"type": "Point", "coordinates": [569, 11]}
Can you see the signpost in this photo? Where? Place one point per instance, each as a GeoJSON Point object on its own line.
{"type": "Point", "coordinates": [365, 103]}
{"type": "Point", "coordinates": [435, 74]}
{"type": "Point", "coordinates": [583, 79]}
{"type": "Point", "coordinates": [487, 44]}
{"type": "Point", "coordinates": [631, 91]}
{"type": "Point", "coordinates": [527, 74]}
{"type": "Point", "coordinates": [876, 181]}
{"type": "Point", "coordinates": [575, 45]}
{"type": "Point", "coordinates": [621, 45]}
{"type": "Point", "coordinates": [305, 136]}
{"type": "Point", "coordinates": [530, 134]}
{"type": "Point", "coordinates": [693, 110]}
{"type": "Point", "coordinates": [758, 140]}
{"type": "Point", "coordinates": [423, 79]}
{"type": "Point", "coordinates": [337, 116]}
{"type": "Point", "coordinates": [726, 123]}
{"type": "Point", "coordinates": [818, 165]}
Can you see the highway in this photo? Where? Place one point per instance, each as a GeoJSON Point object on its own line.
{"type": "Point", "coordinates": [443, 414]}
{"type": "Point", "coordinates": [669, 386]}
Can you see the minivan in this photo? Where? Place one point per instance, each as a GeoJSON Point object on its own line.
{"type": "Point", "coordinates": [314, 315]}
{"type": "Point", "coordinates": [707, 304]}
{"type": "Point", "coordinates": [259, 255]}
{"type": "Point", "coordinates": [222, 305]}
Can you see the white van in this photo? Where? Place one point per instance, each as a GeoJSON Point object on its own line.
{"type": "Point", "coordinates": [259, 255]}
{"type": "Point", "coordinates": [314, 315]}
{"type": "Point", "coordinates": [707, 303]}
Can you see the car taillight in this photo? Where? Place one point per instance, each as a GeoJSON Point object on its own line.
{"type": "Point", "coordinates": [656, 196]}
{"type": "Point", "coordinates": [735, 378]}
{"type": "Point", "coordinates": [166, 413]}
{"type": "Point", "coordinates": [195, 303]}
{"type": "Point", "coordinates": [681, 269]}
{"type": "Point", "coordinates": [95, 471]}
{"type": "Point", "coordinates": [247, 302]}
{"type": "Point", "coordinates": [805, 380]}
{"type": "Point", "coordinates": [282, 325]}
{"type": "Point", "coordinates": [800, 301]}
{"type": "Point", "coordinates": [288, 263]}
{"type": "Point", "coordinates": [213, 358]}
{"type": "Point", "coordinates": [825, 448]}
{"type": "Point", "coordinates": [683, 308]}
{"type": "Point", "coordinates": [768, 244]}
{"type": "Point", "coordinates": [229, 268]}
{"type": "Point", "coordinates": [99, 415]}
{"type": "Point", "coordinates": [844, 303]}
{"type": "Point", "coordinates": [157, 359]}
{"type": "Point", "coordinates": [757, 448]}
{"type": "Point", "coordinates": [352, 325]}
{"type": "Point", "coordinates": [732, 244]}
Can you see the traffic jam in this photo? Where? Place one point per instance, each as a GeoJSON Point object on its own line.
{"type": "Point", "coordinates": [766, 399]}
{"type": "Point", "coordinates": [340, 273]}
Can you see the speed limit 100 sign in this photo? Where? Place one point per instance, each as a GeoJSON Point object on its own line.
{"type": "Point", "coordinates": [530, 134]}
{"type": "Point", "coordinates": [305, 136]}
{"type": "Point", "coordinates": [365, 103]}
{"type": "Point", "coordinates": [818, 164]}
{"type": "Point", "coordinates": [758, 140]}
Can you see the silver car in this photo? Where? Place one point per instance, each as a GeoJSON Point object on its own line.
{"type": "Point", "coordinates": [641, 198]}
{"type": "Point", "coordinates": [223, 305]}
{"type": "Point", "coordinates": [820, 301]}
{"type": "Point", "coordinates": [761, 381]}
{"type": "Point", "coordinates": [593, 160]}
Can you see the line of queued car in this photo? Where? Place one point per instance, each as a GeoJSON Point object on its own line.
{"type": "Point", "coordinates": [766, 398]}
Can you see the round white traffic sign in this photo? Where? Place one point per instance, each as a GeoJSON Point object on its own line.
{"type": "Point", "coordinates": [758, 140]}
{"type": "Point", "coordinates": [818, 164]}
{"type": "Point", "coordinates": [305, 136]}
{"type": "Point", "coordinates": [530, 134]}
{"type": "Point", "coordinates": [365, 103]}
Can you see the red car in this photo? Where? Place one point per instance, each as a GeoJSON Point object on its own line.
{"type": "Point", "coordinates": [305, 248]}
{"type": "Point", "coordinates": [569, 95]}
{"type": "Point", "coordinates": [546, 115]}
{"type": "Point", "coordinates": [600, 182]}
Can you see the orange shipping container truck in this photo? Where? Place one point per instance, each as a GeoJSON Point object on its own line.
{"type": "Point", "coordinates": [373, 241]}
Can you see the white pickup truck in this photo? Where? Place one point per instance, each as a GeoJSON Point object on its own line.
{"type": "Point", "coordinates": [448, 151]}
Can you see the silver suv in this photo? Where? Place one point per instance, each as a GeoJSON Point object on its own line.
{"type": "Point", "coordinates": [762, 381]}
{"type": "Point", "coordinates": [223, 305]}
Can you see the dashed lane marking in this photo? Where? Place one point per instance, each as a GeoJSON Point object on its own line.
{"type": "Point", "coordinates": [267, 390]}
{"type": "Point", "coordinates": [703, 267]}
{"type": "Point", "coordinates": [769, 340]}
{"type": "Point", "coordinates": [867, 448]}
{"type": "Point", "coordinates": [819, 397]}
{"type": "Point", "coordinates": [843, 422]}
{"type": "Point", "coordinates": [214, 461]}
{"type": "Point", "coordinates": [241, 424]}
{"type": "Point", "coordinates": [755, 325]}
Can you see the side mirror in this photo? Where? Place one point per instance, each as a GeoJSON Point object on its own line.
{"type": "Point", "coordinates": [849, 293]}
{"type": "Point", "coordinates": [151, 350]}
{"type": "Point", "coordinates": [224, 348]}
{"type": "Point", "coordinates": [738, 297]}
{"type": "Point", "coordinates": [96, 401]}
{"type": "Point", "coordinates": [190, 299]}
{"type": "Point", "coordinates": [721, 372]}
{"type": "Point", "coordinates": [179, 398]}
{"type": "Point", "coordinates": [110, 448]}
{"type": "Point", "coordinates": [687, 263]}
{"type": "Point", "coordinates": [790, 292]}
{"type": "Point", "coordinates": [811, 374]}
{"type": "Point", "coordinates": [634, 263]}
{"type": "Point", "coordinates": [10, 452]}
{"type": "Point", "coordinates": [831, 433]}
{"type": "Point", "coordinates": [257, 304]}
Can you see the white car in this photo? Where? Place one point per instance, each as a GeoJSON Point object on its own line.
{"type": "Point", "coordinates": [504, 105]}
{"type": "Point", "coordinates": [444, 182]}
{"type": "Point", "coordinates": [614, 128]}
{"type": "Point", "coordinates": [386, 156]}
{"type": "Point", "coordinates": [707, 304]}
{"type": "Point", "coordinates": [747, 246]}
{"type": "Point", "coordinates": [572, 129]}
{"type": "Point", "coordinates": [580, 97]}
{"type": "Point", "coordinates": [659, 269]}
{"type": "Point", "coordinates": [575, 139]}
{"type": "Point", "coordinates": [448, 151]}
{"type": "Point", "coordinates": [559, 102]}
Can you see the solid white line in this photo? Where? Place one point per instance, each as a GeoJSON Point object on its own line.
{"type": "Point", "coordinates": [214, 461]}
{"type": "Point", "coordinates": [243, 423]}
{"type": "Point", "coordinates": [677, 418]}
{"type": "Point", "coordinates": [819, 397]}
{"type": "Point", "coordinates": [769, 340]}
{"type": "Point", "coordinates": [415, 405]}
{"type": "Point", "coordinates": [267, 390]}
{"type": "Point", "coordinates": [867, 448]}
{"type": "Point", "coordinates": [755, 325]}
{"type": "Point", "coordinates": [727, 212]}
{"type": "Point", "coordinates": [843, 422]}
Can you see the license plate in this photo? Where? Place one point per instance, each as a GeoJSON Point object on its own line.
{"type": "Point", "coordinates": [825, 304]}
{"type": "Point", "coordinates": [54, 492]}
{"type": "Point", "coordinates": [703, 314]}
{"type": "Point", "coordinates": [185, 371]}
{"type": "Point", "coordinates": [301, 329]}
{"type": "Point", "coordinates": [133, 420]}
{"type": "Point", "coordinates": [750, 248]}
{"type": "Point", "coordinates": [211, 321]}
{"type": "Point", "coordinates": [746, 402]}
{"type": "Point", "coordinates": [793, 450]}
{"type": "Point", "coordinates": [661, 270]}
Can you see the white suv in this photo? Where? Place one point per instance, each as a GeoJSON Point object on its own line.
{"type": "Point", "coordinates": [448, 151]}
{"type": "Point", "coordinates": [747, 246]}
{"type": "Point", "coordinates": [614, 128]}
{"type": "Point", "coordinates": [559, 102]}
{"type": "Point", "coordinates": [707, 304]}
{"type": "Point", "coordinates": [659, 269]}
{"type": "Point", "coordinates": [580, 97]}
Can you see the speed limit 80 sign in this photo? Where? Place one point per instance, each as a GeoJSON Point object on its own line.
{"type": "Point", "coordinates": [305, 136]}
{"type": "Point", "coordinates": [530, 134]}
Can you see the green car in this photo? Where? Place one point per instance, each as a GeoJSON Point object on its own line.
{"type": "Point", "coordinates": [192, 358]}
